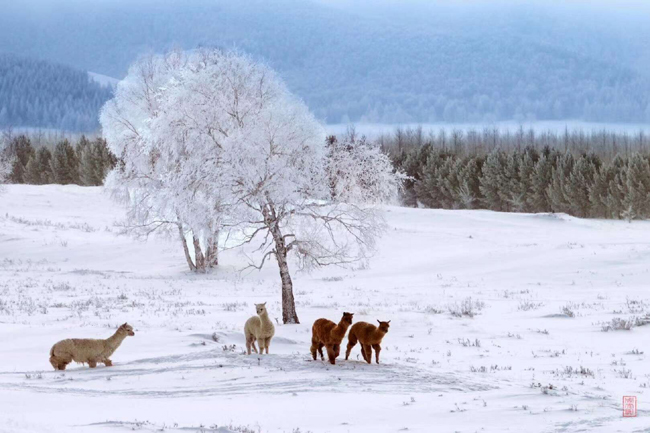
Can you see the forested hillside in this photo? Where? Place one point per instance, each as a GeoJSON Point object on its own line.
{"type": "Point", "coordinates": [40, 94]}
{"type": "Point", "coordinates": [414, 62]}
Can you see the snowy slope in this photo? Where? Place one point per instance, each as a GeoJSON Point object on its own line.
{"type": "Point", "coordinates": [103, 80]}
{"type": "Point", "coordinates": [65, 273]}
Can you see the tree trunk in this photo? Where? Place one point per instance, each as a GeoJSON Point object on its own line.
{"type": "Point", "coordinates": [289, 314]}
{"type": "Point", "coordinates": [212, 253]}
{"type": "Point", "coordinates": [186, 249]}
{"type": "Point", "coordinates": [199, 259]}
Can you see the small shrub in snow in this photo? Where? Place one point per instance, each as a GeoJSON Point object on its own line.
{"type": "Point", "coordinates": [624, 373]}
{"type": "Point", "coordinates": [466, 342]}
{"type": "Point", "coordinates": [582, 371]}
{"type": "Point", "coordinates": [431, 309]}
{"type": "Point", "coordinates": [618, 324]}
{"type": "Point", "coordinates": [635, 306]}
{"type": "Point", "coordinates": [567, 311]}
{"type": "Point", "coordinates": [528, 305]}
{"type": "Point", "coordinates": [467, 307]}
{"type": "Point", "coordinates": [234, 306]}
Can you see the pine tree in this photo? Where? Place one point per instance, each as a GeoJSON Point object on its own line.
{"type": "Point", "coordinates": [637, 200]}
{"type": "Point", "coordinates": [599, 193]}
{"type": "Point", "coordinates": [19, 151]}
{"type": "Point", "coordinates": [559, 179]}
{"type": "Point", "coordinates": [44, 158]}
{"type": "Point", "coordinates": [413, 165]}
{"type": "Point", "coordinates": [468, 195]}
{"type": "Point", "coordinates": [541, 177]}
{"type": "Point", "coordinates": [579, 183]}
{"type": "Point", "coordinates": [491, 183]}
{"type": "Point", "coordinates": [617, 190]}
{"type": "Point", "coordinates": [106, 161]}
{"type": "Point", "coordinates": [32, 172]}
{"type": "Point", "coordinates": [524, 187]}
{"type": "Point", "coordinates": [65, 167]}
{"type": "Point", "coordinates": [90, 167]}
{"type": "Point", "coordinates": [447, 181]}
{"type": "Point", "coordinates": [428, 190]}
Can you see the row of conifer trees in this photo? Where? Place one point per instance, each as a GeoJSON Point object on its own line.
{"type": "Point", "coordinates": [447, 173]}
{"type": "Point", "coordinates": [84, 163]}
{"type": "Point", "coordinates": [528, 180]}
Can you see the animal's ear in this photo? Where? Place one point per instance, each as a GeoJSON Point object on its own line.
{"type": "Point", "coordinates": [388, 321]}
{"type": "Point", "coordinates": [378, 322]}
{"type": "Point", "coordinates": [124, 324]}
{"type": "Point", "coordinates": [264, 304]}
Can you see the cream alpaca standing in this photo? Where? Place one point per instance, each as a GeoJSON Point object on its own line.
{"type": "Point", "coordinates": [259, 328]}
{"type": "Point", "coordinates": [88, 350]}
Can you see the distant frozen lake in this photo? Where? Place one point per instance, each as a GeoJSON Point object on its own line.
{"type": "Point", "coordinates": [375, 129]}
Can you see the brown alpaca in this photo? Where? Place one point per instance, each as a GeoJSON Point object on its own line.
{"type": "Point", "coordinates": [329, 334]}
{"type": "Point", "coordinates": [87, 350]}
{"type": "Point", "coordinates": [370, 338]}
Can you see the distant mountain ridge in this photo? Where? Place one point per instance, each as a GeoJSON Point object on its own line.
{"type": "Point", "coordinates": [40, 94]}
{"type": "Point", "coordinates": [430, 63]}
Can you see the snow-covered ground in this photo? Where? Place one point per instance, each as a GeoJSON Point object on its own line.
{"type": "Point", "coordinates": [522, 363]}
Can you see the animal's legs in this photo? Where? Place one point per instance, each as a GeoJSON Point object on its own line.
{"type": "Point", "coordinates": [377, 348]}
{"type": "Point", "coordinates": [314, 347]}
{"type": "Point", "coordinates": [331, 354]}
{"type": "Point", "coordinates": [368, 353]}
{"type": "Point", "coordinates": [352, 341]}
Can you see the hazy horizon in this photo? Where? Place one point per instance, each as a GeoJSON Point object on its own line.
{"type": "Point", "coordinates": [382, 61]}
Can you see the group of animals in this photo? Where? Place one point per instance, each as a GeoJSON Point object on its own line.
{"type": "Point", "coordinates": [260, 329]}
{"type": "Point", "coordinates": [324, 333]}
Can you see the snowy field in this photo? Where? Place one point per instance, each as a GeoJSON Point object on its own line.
{"type": "Point", "coordinates": [534, 356]}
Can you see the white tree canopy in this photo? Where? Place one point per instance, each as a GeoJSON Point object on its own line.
{"type": "Point", "coordinates": [212, 141]}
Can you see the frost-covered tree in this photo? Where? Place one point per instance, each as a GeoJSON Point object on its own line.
{"type": "Point", "coordinates": [146, 178]}
{"type": "Point", "coordinates": [17, 152]}
{"type": "Point", "coordinates": [282, 184]}
{"type": "Point", "coordinates": [211, 141]}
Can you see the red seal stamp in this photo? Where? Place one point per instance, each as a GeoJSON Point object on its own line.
{"type": "Point", "coordinates": [629, 406]}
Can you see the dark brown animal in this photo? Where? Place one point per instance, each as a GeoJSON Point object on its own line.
{"type": "Point", "coordinates": [329, 334]}
{"type": "Point", "coordinates": [370, 338]}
